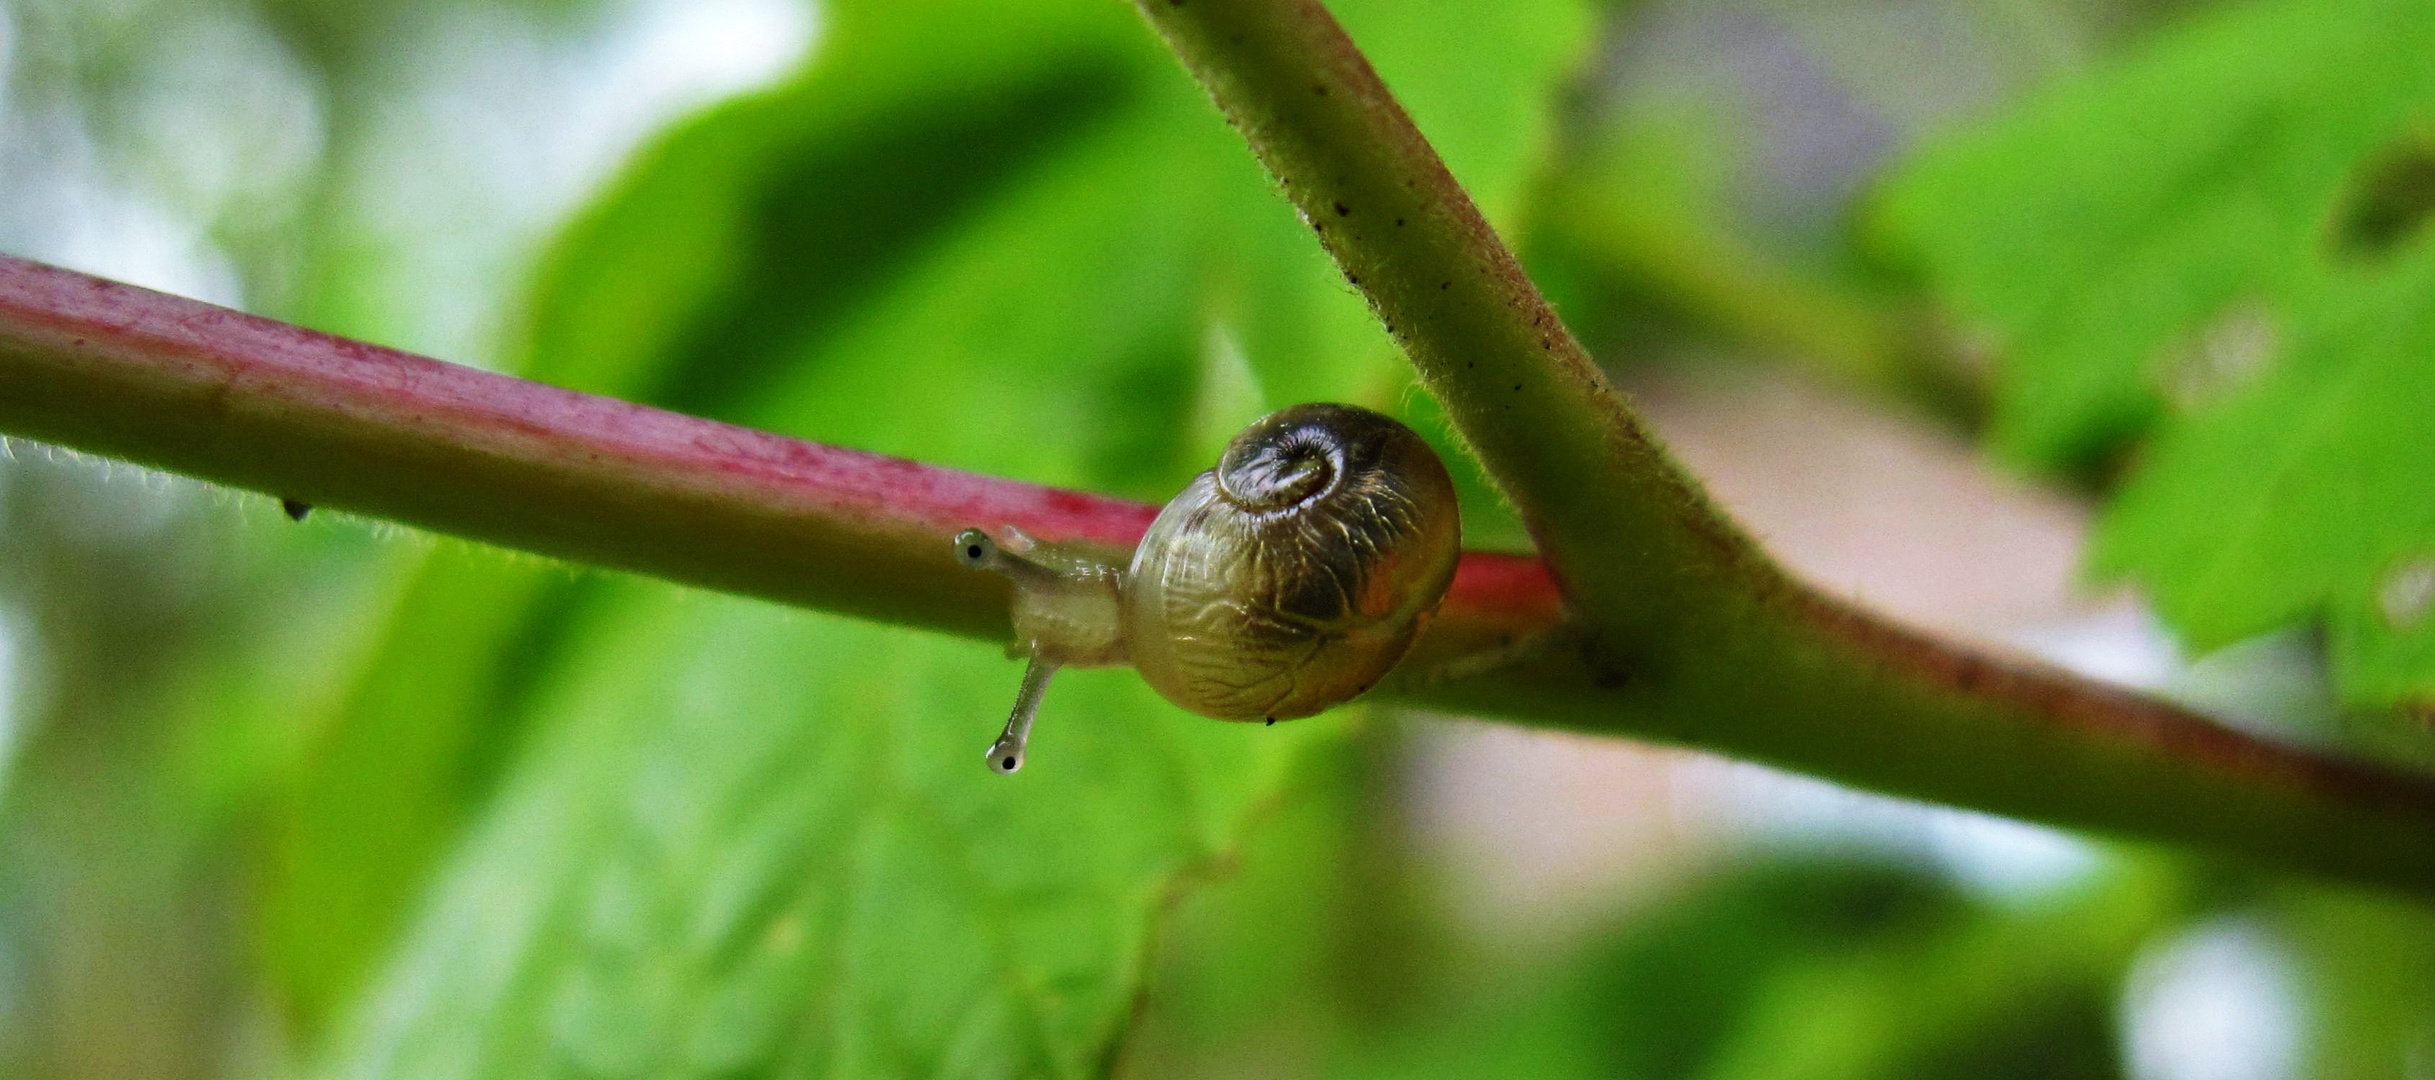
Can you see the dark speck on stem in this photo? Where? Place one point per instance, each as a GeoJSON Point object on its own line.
{"type": "Point", "coordinates": [1343, 210]}
{"type": "Point", "coordinates": [295, 509]}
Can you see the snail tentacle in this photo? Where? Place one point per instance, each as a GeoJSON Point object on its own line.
{"type": "Point", "coordinates": [1065, 614]}
{"type": "Point", "coordinates": [1006, 754]}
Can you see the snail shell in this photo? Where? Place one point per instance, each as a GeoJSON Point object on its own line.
{"type": "Point", "coordinates": [1284, 581]}
{"type": "Point", "coordinates": [1293, 575]}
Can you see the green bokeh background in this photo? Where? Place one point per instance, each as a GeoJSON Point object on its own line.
{"type": "Point", "coordinates": [335, 799]}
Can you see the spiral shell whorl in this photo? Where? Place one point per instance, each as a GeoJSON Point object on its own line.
{"type": "Point", "coordinates": [1292, 576]}
{"type": "Point", "coordinates": [1272, 468]}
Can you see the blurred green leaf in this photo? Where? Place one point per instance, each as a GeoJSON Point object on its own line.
{"type": "Point", "coordinates": [387, 784]}
{"type": "Point", "coordinates": [1322, 928]}
{"type": "Point", "coordinates": [1805, 967]}
{"type": "Point", "coordinates": [2308, 496]}
{"type": "Point", "coordinates": [1645, 217]}
{"type": "Point", "coordinates": [772, 216]}
{"type": "Point", "coordinates": [755, 841]}
{"type": "Point", "coordinates": [2369, 962]}
{"type": "Point", "coordinates": [1011, 237]}
{"type": "Point", "coordinates": [1991, 992]}
{"type": "Point", "coordinates": [1683, 981]}
{"type": "Point", "coordinates": [2225, 234]}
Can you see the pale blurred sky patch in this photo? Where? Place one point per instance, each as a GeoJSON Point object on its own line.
{"type": "Point", "coordinates": [2221, 1000]}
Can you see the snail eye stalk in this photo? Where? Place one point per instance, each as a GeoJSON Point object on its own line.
{"type": "Point", "coordinates": [1006, 754]}
{"type": "Point", "coordinates": [975, 549]}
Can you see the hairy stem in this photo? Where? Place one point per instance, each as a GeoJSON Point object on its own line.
{"type": "Point", "coordinates": [1683, 629]}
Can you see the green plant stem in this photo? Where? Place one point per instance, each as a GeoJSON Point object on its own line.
{"type": "Point", "coordinates": [229, 397]}
{"type": "Point", "coordinates": [1596, 491]}
{"type": "Point", "coordinates": [1683, 629]}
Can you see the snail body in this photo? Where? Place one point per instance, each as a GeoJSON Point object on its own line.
{"type": "Point", "coordinates": [1284, 581]}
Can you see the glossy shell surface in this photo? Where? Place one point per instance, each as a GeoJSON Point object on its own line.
{"type": "Point", "coordinates": [1293, 575]}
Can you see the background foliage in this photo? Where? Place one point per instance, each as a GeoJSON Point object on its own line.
{"type": "Point", "coordinates": [2223, 237]}
{"type": "Point", "coordinates": [332, 800]}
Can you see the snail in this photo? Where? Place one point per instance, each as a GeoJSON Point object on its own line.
{"type": "Point", "coordinates": [1278, 584]}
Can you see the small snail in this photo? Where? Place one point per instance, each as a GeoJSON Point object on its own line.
{"type": "Point", "coordinates": [1284, 581]}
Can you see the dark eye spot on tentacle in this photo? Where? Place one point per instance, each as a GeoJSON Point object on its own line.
{"type": "Point", "coordinates": [973, 547]}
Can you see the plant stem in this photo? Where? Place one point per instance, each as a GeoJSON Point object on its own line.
{"type": "Point", "coordinates": [226, 396]}
{"type": "Point", "coordinates": [1684, 629]}
{"type": "Point", "coordinates": [340, 424]}
{"type": "Point", "coordinates": [343, 425]}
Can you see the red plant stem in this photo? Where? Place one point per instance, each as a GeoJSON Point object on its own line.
{"type": "Point", "coordinates": [245, 401]}
{"type": "Point", "coordinates": [258, 404]}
